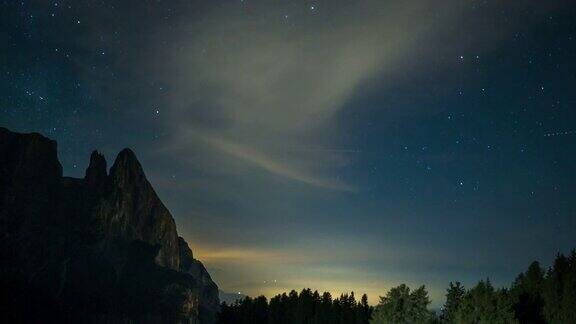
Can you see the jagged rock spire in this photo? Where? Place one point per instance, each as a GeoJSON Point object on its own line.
{"type": "Point", "coordinates": [96, 172]}
{"type": "Point", "coordinates": [112, 227]}
{"type": "Point", "coordinates": [127, 169]}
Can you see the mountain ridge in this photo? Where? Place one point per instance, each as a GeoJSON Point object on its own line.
{"type": "Point", "coordinates": [99, 248]}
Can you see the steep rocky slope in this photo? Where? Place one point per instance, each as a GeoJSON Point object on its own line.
{"type": "Point", "coordinates": [99, 249]}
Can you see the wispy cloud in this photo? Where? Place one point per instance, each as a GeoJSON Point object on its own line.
{"type": "Point", "coordinates": [274, 166]}
{"type": "Point", "coordinates": [256, 81]}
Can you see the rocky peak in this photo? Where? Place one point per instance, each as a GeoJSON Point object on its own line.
{"type": "Point", "coordinates": [29, 172]}
{"type": "Point", "coordinates": [96, 172]}
{"type": "Point", "coordinates": [126, 169]}
{"type": "Point", "coordinates": [31, 154]}
{"type": "Point", "coordinates": [112, 229]}
{"type": "Point", "coordinates": [131, 209]}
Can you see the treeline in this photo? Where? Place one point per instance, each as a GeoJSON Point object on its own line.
{"type": "Point", "coordinates": [537, 296]}
{"type": "Point", "coordinates": [306, 307]}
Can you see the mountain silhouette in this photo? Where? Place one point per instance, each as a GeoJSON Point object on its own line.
{"type": "Point", "coordinates": [103, 248]}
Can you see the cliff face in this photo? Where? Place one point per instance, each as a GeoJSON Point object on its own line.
{"type": "Point", "coordinates": [99, 249]}
{"type": "Point", "coordinates": [131, 210]}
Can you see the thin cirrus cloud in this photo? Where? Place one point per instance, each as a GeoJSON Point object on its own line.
{"type": "Point", "coordinates": [249, 82]}
{"type": "Point", "coordinates": [275, 166]}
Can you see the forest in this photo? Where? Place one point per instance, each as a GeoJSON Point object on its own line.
{"type": "Point", "coordinates": [537, 296]}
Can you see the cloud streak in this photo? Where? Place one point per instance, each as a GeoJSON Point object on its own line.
{"type": "Point", "coordinates": [274, 166]}
{"type": "Point", "coordinates": [269, 82]}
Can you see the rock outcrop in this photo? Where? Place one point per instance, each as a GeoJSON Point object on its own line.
{"type": "Point", "coordinates": [99, 249]}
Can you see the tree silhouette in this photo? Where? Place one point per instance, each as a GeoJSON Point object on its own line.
{"type": "Point", "coordinates": [400, 306]}
{"type": "Point", "coordinates": [560, 290]}
{"type": "Point", "coordinates": [454, 295]}
{"type": "Point", "coordinates": [534, 297]}
{"type": "Point", "coordinates": [484, 304]}
{"type": "Point", "coordinates": [526, 293]}
{"type": "Point", "coordinates": [364, 311]}
{"type": "Point", "coordinates": [305, 308]}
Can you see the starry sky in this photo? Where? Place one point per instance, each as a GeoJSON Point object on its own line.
{"type": "Point", "coordinates": [337, 145]}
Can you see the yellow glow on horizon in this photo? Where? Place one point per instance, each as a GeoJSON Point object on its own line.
{"type": "Point", "coordinates": [269, 272]}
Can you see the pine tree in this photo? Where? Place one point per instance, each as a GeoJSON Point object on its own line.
{"type": "Point", "coordinates": [363, 311]}
{"type": "Point", "coordinates": [305, 308]}
{"type": "Point", "coordinates": [278, 309]}
{"type": "Point", "coordinates": [454, 295]}
{"type": "Point", "coordinates": [560, 291]}
{"type": "Point", "coordinates": [485, 305]}
{"type": "Point", "coordinates": [526, 293]}
{"type": "Point", "coordinates": [554, 289]}
{"type": "Point", "coordinates": [402, 307]}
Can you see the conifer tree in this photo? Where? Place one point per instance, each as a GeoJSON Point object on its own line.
{"type": "Point", "coordinates": [454, 295]}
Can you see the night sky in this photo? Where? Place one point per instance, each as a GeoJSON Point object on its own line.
{"type": "Point", "coordinates": [336, 145]}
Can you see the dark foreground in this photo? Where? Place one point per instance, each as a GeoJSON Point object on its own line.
{"type": "Point", "coordinates": [98, 249]}
{"type": "Point", "coordinates": [536, 296]}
